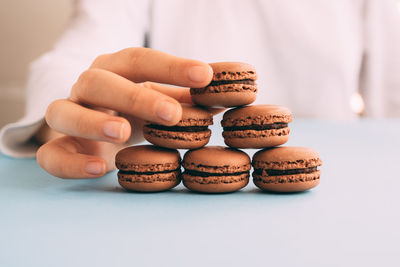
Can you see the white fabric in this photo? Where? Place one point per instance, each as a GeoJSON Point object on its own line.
{"type": "Point", "coordinates": [311, 55]}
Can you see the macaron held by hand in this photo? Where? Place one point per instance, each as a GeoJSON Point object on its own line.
{"type": "Point", "coordinates": [190, 132]}
{"type": "Point", "coordinates": [233, 84]}
{"type": "Point", "coordinates": [256, 126]}
{"type": "Point", "coordinates": [216, 169]}
{"type": "Point", "coordinates": [286, 169]}
{"type": "Point", "coordinates": [148, 168]}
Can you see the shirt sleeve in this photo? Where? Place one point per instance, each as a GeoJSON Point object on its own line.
{"type": "Point", "coordinates": [96, 27]}
{"type": "Point", "coordinates": [380, 80]}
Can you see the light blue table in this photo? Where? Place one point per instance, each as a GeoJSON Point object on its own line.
{"type": "Point", "coordinates": [351, 219]}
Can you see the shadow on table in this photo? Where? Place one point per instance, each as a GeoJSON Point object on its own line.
{"type": "Point", "coordinates": [179, 190]}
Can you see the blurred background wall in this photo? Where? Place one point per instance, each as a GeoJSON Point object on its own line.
{"type": "Point", "coordinates": [27, 29]}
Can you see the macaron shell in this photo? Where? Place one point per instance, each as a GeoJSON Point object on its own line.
{"type": "Point", "coordinates": [178, 140]}
{"type": "Point", "coordinates": [195, 116]}
{"type": "Point", "coordinates": [225, 99]}
{"type": "Point", "coordinates": [256, 115]}
{"type": "Point", "coordinates": [256, 142]}
{"type": "Point", "coordinates": [287, 183]}
{"type": "Point", "coordinates": [215, 184]}
{"type": "Point", "coordinates": [147, 158]}
{"type": "Point", "coordinates": [284, 158]}
{"type": "Point", "coordinates": [233, 71]}
{"type": "Point", "coordinates": [227, 95]}
{"type": "Point", "coordinates": [149, 182]}
{"type": "Point", "coordinates": [216, 159]}
{"type": "Point", "coordinates": [195, 122]}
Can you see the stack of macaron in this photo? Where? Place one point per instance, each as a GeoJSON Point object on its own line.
{"type": "Point", "coordinates": [218, 169]}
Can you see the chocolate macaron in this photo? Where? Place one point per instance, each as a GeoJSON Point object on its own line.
{"type": "Point", "coordinates": [233, 84]}
{"type": "Point", "coordinates": [190, 132]}
{"type": "Point", "coordinates": [286, 169]}
{"type": "Point", "coordinates": [215, 169]}
{"type": "Point", "coordinates": [148, 168]}
{"type": "Point", "coordinates": [257, 126]}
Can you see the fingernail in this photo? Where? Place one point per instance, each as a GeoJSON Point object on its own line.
{"type": "Point", "coordinates": [166, 110]}
{"type": "Point", "coordinates": [95, 168]}
{"type": "Point", "coordinates": [199, 73]}
{"type": "Point", "coordinates": [114, 129]}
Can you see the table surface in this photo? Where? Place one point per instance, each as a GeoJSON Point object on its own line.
{"type": "Point", "coordinates": [351, 219]}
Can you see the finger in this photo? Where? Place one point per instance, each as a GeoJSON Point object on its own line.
{"type": "Point", "coordinates": [181, 94]}
{"type": "Point", "coordinates": [143, 64]}
{"type": "Point", "coordinates": [105, 89]}
{"type": "Point", "coordinates": [62, 157]}
{"type": "Point", "coordinates": [72, 119]}
{"type": "Point", "coordinates": [45, 134]}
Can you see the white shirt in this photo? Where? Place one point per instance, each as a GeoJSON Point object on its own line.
{"type": "Point", "coordinates": [311, 55]}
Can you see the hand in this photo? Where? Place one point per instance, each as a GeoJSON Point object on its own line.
{"type": "Point", "coordinates": [116, 90]}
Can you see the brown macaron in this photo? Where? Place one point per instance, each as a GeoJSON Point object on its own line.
{"type": "Point", "coordinates": [148, 168]}
{"type": "Point", "coordinates": [190, 132]}
{"type": "Point", "coordinates": [216, 169]}
{"type": "Point", "coordinates": [257, 126]}
{"type": "Point", "coordinates": [233, 84]}
{"type": "Point", "coordinates": [286, 169]}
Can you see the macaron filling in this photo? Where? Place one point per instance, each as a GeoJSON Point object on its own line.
{"type": "Point", "coordinates": [257, 127]}
{"type": "Point", "coordinates": [178, 128]}
{"type": "Point", "coordinates": [146, 173]}
{"type": "Point", "coordinates": [221, 82]}
{"type": "Point", "coordinates": [221, 86]}
{"type": "Point", "coordinates": [274, 172]}
{"type": "Point", "coordinates": [208, 174]}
